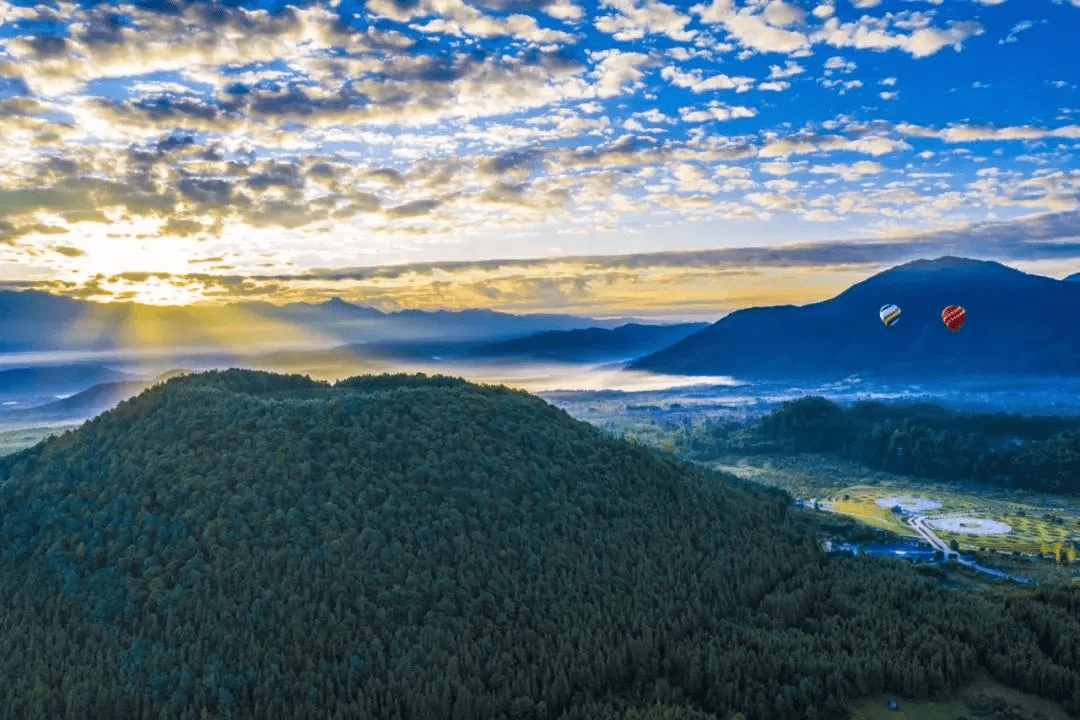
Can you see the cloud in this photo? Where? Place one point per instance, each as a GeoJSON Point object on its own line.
{"type": "Point", "coordinates": [764, 32]}
{"type": "Point", "coordinates": [694, 81]}
{"type": "Point", "coordinates": [854, 171]}
{"type": "Point", "coordinates": [790, 69]}
{"type": "Point", "coordinates": [808, 143]}
{"type": "Point", "coordinates": [564, 10]}
{"type": "Point", "coordinates": [838, 63]}
{"type": "Point", "coordinates": [634, 19]}
{"type": "Point", "coordinates": [971, 133]}
{"type": "Point", "coordinates": [617, 71]}
{"type": "Point", "coordinates": [716, 111]}
{"type": "Point", "coordinates": [869, 33]}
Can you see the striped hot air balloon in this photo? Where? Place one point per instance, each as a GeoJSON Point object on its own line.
{"type": "Point", "coordinates": [889, 314]}
{"type": "Point", "coordinates": [953, 317]}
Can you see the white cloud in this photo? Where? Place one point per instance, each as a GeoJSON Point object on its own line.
{"type": "Point", "coordinates": [617, 71]}
{"type": "Point", "coordinates": [634, 19]}
{"type": "Point", "coordinates": [523, 27]}
{"type": "Point", "coordinates": [775, 86]}
{"type": "Point", "coordinates": [849, 172]}
{"type": "Point", "coordinates": [778, 168]}
{"type": "Point", "coordinates": [564, 10]}
{"type": "Point", "coordinates": [716, 112]}
{"type": "Point", "coordinates": [690, 178]}
{"type": "Point", "coordinates": [694, 81]}
{"type": "Point", "coordinates": [869, 33]}
{"type": "Point", "coordinates": [973, 133]}
{"type": "Point", "coordinates": [790, 69]}
{"type": "Point", "coordinates": [780, 14]}
{"type": "Point", "coordinates": [838, 63]}
{"type": "Point", "coordinates": [888, 95]}
{"type": "Point", "coordinates": [755, 30]}
{"type": "Point", "coordinates": [806, 143]}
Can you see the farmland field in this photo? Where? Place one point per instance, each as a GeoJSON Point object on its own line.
{"type": "Point", "coordinates": [1039, 524]}
{"type": "Point", "coordinates": [17, 438]}
{"type": "Point", "coordinates": [981, 694]}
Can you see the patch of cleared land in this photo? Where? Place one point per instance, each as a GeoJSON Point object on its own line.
{"type": "Point", "coordinates": [861, 504]}
{"type": "Point", "coordinates": [980, 693]}
{"type": "Point", "coordinates": [911, 504]}
{"type": "Point", "coordinates": [15, 439]}
{"type": "Point", "coordinates": [864, 495]}
{"type": "Point", "coordinates": [970, 526]}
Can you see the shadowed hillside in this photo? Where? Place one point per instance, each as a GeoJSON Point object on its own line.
{"type": "Point", "coordinates": [82, 405]}
{"type": "Point", "coordinates": [246, 545]}
{"type": "Point", "coordinates": [58, 379]}
{"type": "Point", "coordinates": [1016, 323]}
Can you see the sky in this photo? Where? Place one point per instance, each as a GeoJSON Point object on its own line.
{"type": "Point", "coordinates": [621, 158]}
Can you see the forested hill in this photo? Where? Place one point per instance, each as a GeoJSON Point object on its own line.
{"type": "Point", "coordinates": [247, 545]}
{"type": "Point", "coordinates": [922, 440]}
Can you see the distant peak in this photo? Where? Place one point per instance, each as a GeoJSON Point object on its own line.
{"type": "Point", "coordinates": [951, 262]}
{"type": "Point", "coordinates": [948, 261]}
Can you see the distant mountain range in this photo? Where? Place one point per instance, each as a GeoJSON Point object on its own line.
{"type": "Point", "coordinates": [590, 344]}
{"type": "Point", "coordinates": [80, 406]}
{"type": "Point", "coordinates": [35, 321]}
{"type": "Point", "coordinates": [56, 379]}
{"type": "Point", "coordinates": [1016, 324]}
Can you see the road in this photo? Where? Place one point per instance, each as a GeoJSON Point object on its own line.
{"type": "Point", "coordinates": [922, 527]}
{"type": "Point", "coordinates": [919, 524]}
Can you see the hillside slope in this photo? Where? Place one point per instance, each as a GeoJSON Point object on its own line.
{"type": "Point", "coordinates": [1016, 323]}
{"type": "Point", "coordinates": [246, 545]}
{"type": "Point", "coordinates": [47, 379]}
{"type": "Point", "coordinates": [85, 404]}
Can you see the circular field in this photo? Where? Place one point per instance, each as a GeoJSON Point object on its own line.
{"type": "Point", "coordinates": [911, 504]}
{"type": "Point", "coordinates": [971, 526]}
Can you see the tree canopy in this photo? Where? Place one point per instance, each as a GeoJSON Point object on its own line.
{"type": "Point", "coordinates": [246, 545]}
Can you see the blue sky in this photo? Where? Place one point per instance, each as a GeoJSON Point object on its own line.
{"type": "Point", "coordinates": [630, 157]}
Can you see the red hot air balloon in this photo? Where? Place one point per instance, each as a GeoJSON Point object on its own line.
{"type": "Point", "coordinates": [953, 317]}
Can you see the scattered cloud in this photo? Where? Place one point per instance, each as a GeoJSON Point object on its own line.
{"type": "Point", "coordinates": [256, 143]}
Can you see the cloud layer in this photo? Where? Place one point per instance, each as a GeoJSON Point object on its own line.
{"type": "Point", "coordinates": [178, 152]}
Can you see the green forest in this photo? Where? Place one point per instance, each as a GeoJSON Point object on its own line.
{"type": "Point", "coordinates": [240, 544]}
{"type": "Point", "coordinates": [1038, 453]}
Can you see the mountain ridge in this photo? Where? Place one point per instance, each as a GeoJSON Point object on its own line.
{"type": "Point", "coordinates": [843, 335]}
{"type": "Point", "coordinates": [36, 321]}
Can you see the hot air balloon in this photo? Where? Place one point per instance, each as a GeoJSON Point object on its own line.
{"type": "Point", "coordinates": [889, 314]}
{"type": "Point", "coordinates": [953, 317]}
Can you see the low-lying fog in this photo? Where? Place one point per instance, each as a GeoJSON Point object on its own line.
{"type": "Point", "coordinates": [597, 391]}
